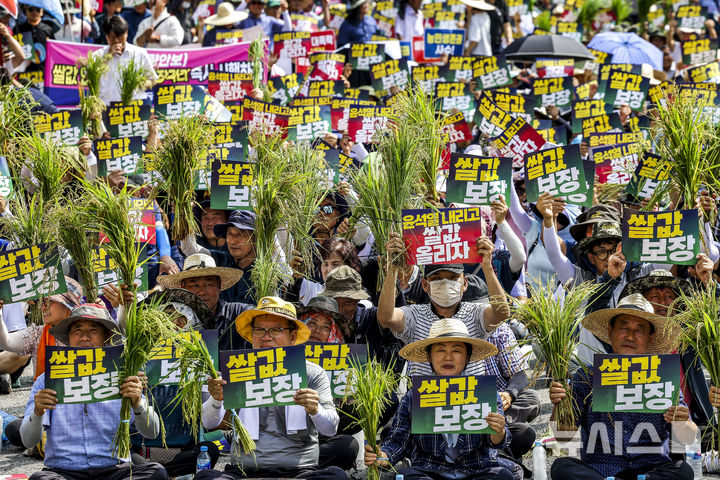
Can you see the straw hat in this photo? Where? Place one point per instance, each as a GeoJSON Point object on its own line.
{"type": "Point", "coordinates": [276, 307]}
{"type": "Point", "coordinates": [479, 4]}
{"type": "Point", "coordinates": [636, 305]}
{"type": "Point", "coordinates": [201, 265]}
{"type": "Point", "coordinates": [657, 278]}
{"type": "Point", "coordinates": [448, 330]}
{"type": "Point", "coordinates": [226, 15]}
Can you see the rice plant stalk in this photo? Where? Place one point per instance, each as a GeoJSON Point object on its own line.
{"type": "Point", "coordinates": [133, 77]}
{"type": "Point", "coordinates": [700, 330]}
{"type": "Point", "coordinates": [74, 236]}
{"type": "Point", "coordinates": [588, 12]}
{"type": "Point", "coordinates": [50, 165]}
{"type": "Point", "coordinates": [147, 325]}
{"type": "Point", "coordinates": [15, 118]}
{"type": "Point", "coordinates": [621, 8]}
{"type": "Point", "coordinates": [178, 160]}
{"type": "Point", "coordinates": [257, 54]}
{"type": "Point", "coordinates": [370, 385]}
{"type": "Point", "coordinates": [553, 325]}
{"type": "Point", "coordinates": [92, 68]}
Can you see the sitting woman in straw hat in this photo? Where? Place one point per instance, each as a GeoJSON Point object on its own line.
{"type": "Point", "coordinates": [448, 349]}
{"type": "Point", "coordinates": [633, 328]}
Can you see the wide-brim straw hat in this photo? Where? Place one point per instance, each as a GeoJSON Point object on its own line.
{"type": "Point", "coordinates": [201, 265]}
{"type": "Point", "coordinates": [448, 330]}
{"type": "Point", "coordinates": [276, 307]}
{"type": "Point", "coordinates": [226, 15]}
{"type": "Point", "coordinates": [479, 5]}
{"type": "Point", "coordinates": [665, 339]}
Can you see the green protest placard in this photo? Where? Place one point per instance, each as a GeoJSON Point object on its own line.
{"type": "Point", "coordinates": [427, 76]}
{"type": "Point", "coordinates": [118, 154]}
{"type": "Point", "coordinates": [613, 138]}
{"type": "Point", "coordinates": [262, 378]}
{"type": "Point", "coordinates": [710, 72]}
{"type": "Point", "coordinates": [699, 51]}
{"type": "Point", "coordinates": [235, 134]}
{"type": "Point", "coordinates": [491, 72]}
{"type": "Point", "coordinates": [390, 73]}
{"type": "Point", "coordinates": [491, 119]}
{"type": "Point", "coordinates": [334, 358]}
{"type": "Point", "coordinates": [174, 101]}
{"type": "Point", "coordinates": [476, 180]}
{"type": "Point", "coordinates": [322, 88]}
{"type": "Point", "coordinates": [365, 55]}
{"type": "Point", "coordinates": [283, 89]}
{"type": "Point", "coordinates": [557, 135]}
{"type": "Point", "coordinates": [558, 171]}
{"type": "Point", "coordinates": [339, 165]}
{"type": "Point", "coordinates": [635, 383]}
{"type": "Point", "coordinates": [162, 367]}
{"type": "Point", "coordinates": [590, 108]}
{"type": "Point", "coordinates": [105, 270]}
{"type": "Point", "coordinates": [230, 184]}
{"type": "Point", "coordinates": [128, 120]}
{"type": "Point", "coordinates": [691, 16]}
{"type": "Point", "coordinates": [596, 124]}
{"type": "Point", "coordinates": [455, 96]}
{"type": "Point", "coordinates": [6, 184]}
{"type": "Point", "coordinates": [453, 404]}
{"type": "Point", "coordinates": [553, 91]}
{"type": "Point", "coordinates": [307, 123]}
{"type": "Point", "coordinates": [625, 88]}
{"type": "Point", "coordinates": [83, 375]}
{"type": "Point", "coordinates": [650, 172]}
{"type": "Point", "coordinates": [514, 104]}
{"type": "Point", "coordinates": [671, 236]}
{"type": "Point", "coordinates": [458, 69]}
{"type": "Point", "coordinates": [30, 273]}
{"type": "Point", "coordinates": [64, 126]}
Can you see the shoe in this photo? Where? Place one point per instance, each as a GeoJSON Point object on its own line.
{"type": "Point", "coordinates": [711, 462]}
{"type": "Point", "coordinates": [5, 384]}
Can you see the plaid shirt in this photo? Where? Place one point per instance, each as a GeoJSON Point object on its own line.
{"type": "Point", "coordinates": [427, 451]}
{"type": "Point", "coordinates": [509, 361]}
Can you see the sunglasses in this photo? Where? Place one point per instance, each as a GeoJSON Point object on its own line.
{"type": "Point", "coordinates": [327, 209]}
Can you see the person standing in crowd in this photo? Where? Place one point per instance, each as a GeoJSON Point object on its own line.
{"type": "Point", "coordinates": [479, 41]}
{"type": "Point", "coordinates": [359, 26]}
{"type": "Point", "coordinates": [40, 32]}
{"type": "Point", "coordinates": [135, 11]}
{"type": "Point", "coordinates": [225, 20]}
{"type": "Point", "coordinates": [160, 30]}
{"type": "Point", "coordinates": [410, 20]}
{"type": "Point", "coordinates": [270, 25]}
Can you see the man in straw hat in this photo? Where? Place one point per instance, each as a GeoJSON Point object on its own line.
{"type": "Point", "coordinates": [224, 20]}
{"type": "Point", "coordinates": [286, 438]}
{"type": "Point", "coordinates": [448, 349]}
{"type": "Point", "coordinates": [201, 277]}
{"type": "Point", "coordinates": [445, 284]}
{"type": "Point", "coordinates": [633, 328]}
{"type": "Point", "coordinates": [80, 436]}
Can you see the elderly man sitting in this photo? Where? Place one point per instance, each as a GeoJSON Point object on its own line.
{"type": "Point", "coordinates": [280, 451]}
{"type": "Point", "coordinates": [80, 436]}
{"type": "Point", "coordinates": [631, 328]}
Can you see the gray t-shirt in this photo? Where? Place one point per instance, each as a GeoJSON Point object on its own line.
{"type": "Point", "coordinates": [418, 319]}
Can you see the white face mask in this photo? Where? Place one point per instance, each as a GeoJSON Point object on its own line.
{"type": "Point", "coordinates": [445, 292]}
{"type": "Point", "coordinates": [186, 5]}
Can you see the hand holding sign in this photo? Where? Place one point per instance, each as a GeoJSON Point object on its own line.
{"type": "Point", "coordinates": [544, 205]}
{"type": "Point", "coordinates": [309, 399]}
{"type": "Point", "coordinates": [500, 209]}
{"type": "Point", "coordinates": [496, 421]}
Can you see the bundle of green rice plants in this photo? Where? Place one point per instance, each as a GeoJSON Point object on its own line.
{"type": "Point", "coordinates": [15, 118]}
{"type": "Point", "coordinates": [92, 68]}
{"type": "Point", "coordinates": [419, 111]}
{"type": "Point", "coordinates": [257, 54]}
{"type": "Point", "coordinates": [178, 160]}
{"type": "Point", "coordinates": [553, 325]}
{"type": "Point", "coordinates": [687, 141]}
{"type": "Point", "coordinates": [195, 366]}
{"type": "Point", "coordinates": [109, 212]}
{"type": "Point", "coordinates": [51, 166]}
{"type": "Point", "coordinates": [305, 198]}
{"type": "Point", "coordinates": [543, 21]}
{"type": "Point", "coordinates": [621, 9]}
{"type": "Point", "coordinates": [589, 10]}
{"type": "Point", "coordinates": [133, 77]}
{"type": "Point", "coordinates": [271, 197]}
{"type": "Point", "coordinates": [147, 326]}
{"type": "Point", "coordinates": [700, 330]}
{"type": "Point", "coordinates": [369, 386]}
{"type": "Point", "coordinates": [74, 236]}
{"type": "Point", "coordinates": [387, 183]}
{"type": "Point", "coordinates": [608, 192]}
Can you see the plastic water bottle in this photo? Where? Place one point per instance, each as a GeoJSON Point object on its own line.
{"type": "Point", "coordinates": [693, 457]}
{"type": "Point", "coordinates": [641, 477]}
{"type": "Point", "coordinates": [399, 477]}
{"type": "Point", "coordinates": [203, 460]}
{"type": "Point", "coordinates": [539, 462]}
{"type": "Point", "coordinates": [609, 478]}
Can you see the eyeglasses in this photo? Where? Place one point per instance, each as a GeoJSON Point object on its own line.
{"type": "Point", "coordinates": [274, 332]}
{"type": "Point", "coordinates": [327, 209]}
{"type": "Point", "coordinates": [604, 254]}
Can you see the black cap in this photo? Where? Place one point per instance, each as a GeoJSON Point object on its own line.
{"type": "Point", "coordinates": [242, 219]}
{"type": "Point", "coordinates": [449, 267]}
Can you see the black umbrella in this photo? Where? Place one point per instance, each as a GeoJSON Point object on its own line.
{"type": "Point", "coordinates": [532, 47]}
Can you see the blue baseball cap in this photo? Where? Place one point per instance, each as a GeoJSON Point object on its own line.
{"type": "Point", "coordinates": [242, 219]}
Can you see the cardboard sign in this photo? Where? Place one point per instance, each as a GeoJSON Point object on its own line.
{"type": "Point", "coordinates": [230, 184]}
{"type": "Point", "coordinates": [322, 88]}
{"type": "Point", "coordinates": [558, 171]}
{"type": "Point", "coordinates": [443, 42]}
{"type": "Point", "coordinates": [709, 72]}
{"type": "Point", "coordinates": [427, 77]}
{"type": "Point", "coordinates": [455, 96]}
{"type": "Point", "coordinates": [491, 72]}
{"type": "Point", "coordinates": [283, 89]}
{"type": "Point", "coordinates": [671, 236]}
{"type": "Point", "coordinates": [162, 367]}
{"type": "Point", "coordinates": [597, 124]}
{"type": "Point", "coordinates": [453, 404]}
{"type": "Point", "coordinates": [615, 164]}
{"type": "Point", "coordinates": [553, 91]}
{"type": "Point", "coordinates": [83, 375]}
{"type": "Point", "coordinates": [491, 119]}
{"type": "Point", "coordinates": [519, 139]}
{"type": "Point", "coordinates": [308, 123]}
{"type": "Point", "coordinates": [364, 55]}
{"type": "Point", "coordinates": [175, 101]}
{"type": "Point", "coordinates": [476, 180]}
{"type": "Point", "coordinates": [334, 359]}
{"type": "Point", "coordinates": [31, 273]}
{"type": "Point", "coordinates": [650, 172]}
{"type": "Point", "coordinates": [514, 104]}
{"type": "Point", "coordinates": [623, 88]}
{"type": "Point", "coordinates": [128, 120]}
{"type": "Point", "coordinates": [456, 128]}
{"type": "Point", "coordinates": [699, 51]}
{"type": "Point", "coordinates": [635, 383]}
{"type": "Point", "coordinates": [326, 66]}
{"type": "Point", "coordinates": [229, 87]}
{"type": "Point", "coordinates": [691, 16]}
{"type": "Point", "coordinates": [340, 166]}
{"type": "Point", "coordinates": [118, 154]}
{"type": "Point", "coordinates": [589, 108]}
{"type": "Point", "coordinates": [263, 378]}
{"type": "Point", "coordinates": [64, 127]}
{"type": "Point", "coordinates": [458, 69]}
{"type": "Point", "coordinates": [447, 235]}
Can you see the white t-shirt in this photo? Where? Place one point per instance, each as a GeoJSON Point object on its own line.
{"type": "Point", "coordinates": [479, 31]}
{"type": "Point", "coordinates": [109, 83]}
{"type": "Point", "coordinates": [413, 25]}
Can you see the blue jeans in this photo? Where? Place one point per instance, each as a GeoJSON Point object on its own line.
{"type": "Point", "coordinates": [7, 418]}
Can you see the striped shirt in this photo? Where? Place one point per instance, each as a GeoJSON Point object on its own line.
{"type": "Point", "coordinates": [418, 319]}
